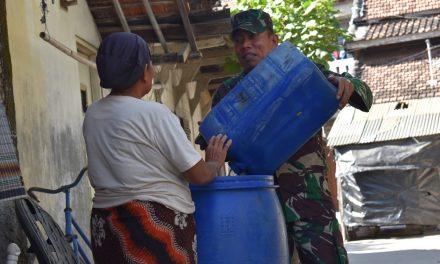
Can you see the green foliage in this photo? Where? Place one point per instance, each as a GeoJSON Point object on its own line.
{"type": "Point", "coordinates": [231, 65]}
{"type": "Point", "coordinates": [310, 25]}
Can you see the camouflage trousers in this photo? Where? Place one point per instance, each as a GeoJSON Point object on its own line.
{"type": "Point", "coordinates": [306, 200]}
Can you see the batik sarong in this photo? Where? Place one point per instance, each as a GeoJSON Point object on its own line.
{"type": "Point", "coordinates": [142, 232]}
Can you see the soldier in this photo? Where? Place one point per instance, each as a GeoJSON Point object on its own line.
{"type": "Point", "coordinates": [303, 189]}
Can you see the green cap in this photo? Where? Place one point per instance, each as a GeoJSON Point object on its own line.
{"type": "Point", "coordinates": [252, 20]}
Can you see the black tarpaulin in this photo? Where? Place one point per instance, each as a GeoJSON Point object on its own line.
{"type": "Point", "coordinates": [390, 183]}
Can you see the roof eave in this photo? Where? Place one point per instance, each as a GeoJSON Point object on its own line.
{"type": "Point", "coordinates": [364, 44]}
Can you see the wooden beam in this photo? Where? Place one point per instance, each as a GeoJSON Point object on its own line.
{"type": "Point", "coordinates": [194, 18]}
{"type": "Point", "coordinates": [174, 31]}
{"type": "Point", "coordinates": [217, 52]}
{"type": "Point", "coordinates": [121, 16]}
{"type": "Point", "coordinates": [213, 28]}
{"type": "Point", "coordinates": [195, 52]}
{"type": "Point", "coordinates": [174, 57]}
{"type": "Point", "coordinates": [67, 3]}
{"type": "Point", "coordinates": [212, 42]}
{"type": "Point", "coordinates": [155, 25]}
{"type": "Point", "coordinates": [212, 56]}
{"type": "Point", "coordinates": [211, 76]}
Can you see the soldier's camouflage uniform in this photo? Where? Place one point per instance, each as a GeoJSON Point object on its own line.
{"type": "Point", "coordinates": [304, 192]}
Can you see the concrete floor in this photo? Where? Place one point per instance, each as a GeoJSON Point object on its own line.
{"type": "Point", "coordinates": [400, 250]}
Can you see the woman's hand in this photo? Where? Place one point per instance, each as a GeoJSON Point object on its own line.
{"type": "Point", "coordinates": [217, 148]}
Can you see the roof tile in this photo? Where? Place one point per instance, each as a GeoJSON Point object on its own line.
{"type": "Point", "coordinates": [377, 9]}
{"type": "Point", "coordinates": [403, 27]}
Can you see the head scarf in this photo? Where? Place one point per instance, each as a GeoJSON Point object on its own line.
{"type": "Point", "coordinates": [121, 60]}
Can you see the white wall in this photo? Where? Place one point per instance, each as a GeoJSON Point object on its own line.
{"type": "Point", "coordinates": [47, 99]}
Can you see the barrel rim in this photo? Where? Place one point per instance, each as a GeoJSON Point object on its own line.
{"type": "Point", "coordinates": [237, 182]}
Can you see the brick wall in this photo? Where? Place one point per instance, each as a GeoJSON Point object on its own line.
{"type": "Point", "coordinates": [392, 78]}
{"type": "Point", "coordinates": [385, 8]}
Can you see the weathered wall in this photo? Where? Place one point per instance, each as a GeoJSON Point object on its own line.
{"type": "Point", "coordinates": [10, 230]}
{"type": "Point", "coordinates": [46, 85]}
{"type": "Point", "coordinates": [48, 101]}
{"type": "Point", "coordinates": [395, 74]}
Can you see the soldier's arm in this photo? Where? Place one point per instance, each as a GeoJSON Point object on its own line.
{"type": "Point", "coordinates": [362, 97]}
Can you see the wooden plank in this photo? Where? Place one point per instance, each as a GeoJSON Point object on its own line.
{"type": "Point", "coordinates": [212, 42]}
{"type": "Point", "coordinates": [175, 32]}
{"type": "Point", "coordinates": [213, 28]}
{"type": "Point", "coordinates": [167, 58]}
{"type": "Point", "coordinates": [174, 57]}
{"type": "Point", "coordinates": [201, 17]}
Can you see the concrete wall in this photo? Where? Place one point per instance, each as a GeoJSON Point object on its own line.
{"type": "Point", "coordinates": [46, 86]}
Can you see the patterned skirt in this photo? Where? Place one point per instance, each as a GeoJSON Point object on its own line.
{"type": "Point", "coordinates": [142, 232]}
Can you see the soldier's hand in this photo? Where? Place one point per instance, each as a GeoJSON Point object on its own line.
{"type": "Point", "coordinates": [345, 89]}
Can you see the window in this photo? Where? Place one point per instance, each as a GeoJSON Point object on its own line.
{"type": "Point", "coordinates": [89, 81]}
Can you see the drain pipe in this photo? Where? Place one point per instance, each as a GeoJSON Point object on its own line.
{"type": "Point", "coordinates": [13, 251]}
{"type": "Point", "coordinates": [155, 25]}
{"type": "Point", "coordinates": [66, 50]}
{"type": "Point", "coordinates": [432, 82]}
{"type": "Point", "coordinates": [357, 10]}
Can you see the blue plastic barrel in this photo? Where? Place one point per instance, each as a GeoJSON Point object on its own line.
{"type": "Point", "coordinates": [273, 111]}
{"type": "Point", "coordinates": [239, 220]}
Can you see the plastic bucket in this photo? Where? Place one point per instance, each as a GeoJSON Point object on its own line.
{"type": "Point", "coordinates": [239, 220]}
{"type": "Point", "coordinates": [273, 111]}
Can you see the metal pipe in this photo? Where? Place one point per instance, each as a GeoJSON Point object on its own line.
{"type": "Point", "coordinates": [67, 51]}
{"type": "Point", "coordinates": [357, 11]}
{"type": "Point", "coordinates": [428, 47]}
{"type": "Point", "coordinates": [155, 25]}
{"type": "Point", "coordinates": [121, 15]}
{"type": "Point", "coordinates": [12, 253]}
{"type": "Point", "coordinates": [188, 28]}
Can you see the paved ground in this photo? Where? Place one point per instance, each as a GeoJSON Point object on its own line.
{"type": "Point", "coordinates": [403, 250]}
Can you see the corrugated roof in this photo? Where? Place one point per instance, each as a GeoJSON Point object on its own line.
{"type": "Point", "coordinates": [384, 122]}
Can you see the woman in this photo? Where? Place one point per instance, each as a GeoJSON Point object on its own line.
{"type": "Point", "coordinates": [140, 162]}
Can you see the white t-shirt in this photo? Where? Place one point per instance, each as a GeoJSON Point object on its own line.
{"type": "Point", "coordinates": [137, 150]}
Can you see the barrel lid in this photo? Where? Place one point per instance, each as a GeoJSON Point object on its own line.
{"type": "Point", "coordinates": [236, 182]}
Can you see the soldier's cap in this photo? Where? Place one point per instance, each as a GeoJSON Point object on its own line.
{"type": "Point", "coordinates": [252, 20]}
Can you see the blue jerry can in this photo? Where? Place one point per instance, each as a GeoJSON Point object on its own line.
{"type": "Point", "coordinates": [273, 111]}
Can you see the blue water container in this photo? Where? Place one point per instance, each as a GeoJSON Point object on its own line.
{"type": "Point", "coordinates": [273, 111]}
{"type": "Point", "coordinates": [239, 220]}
